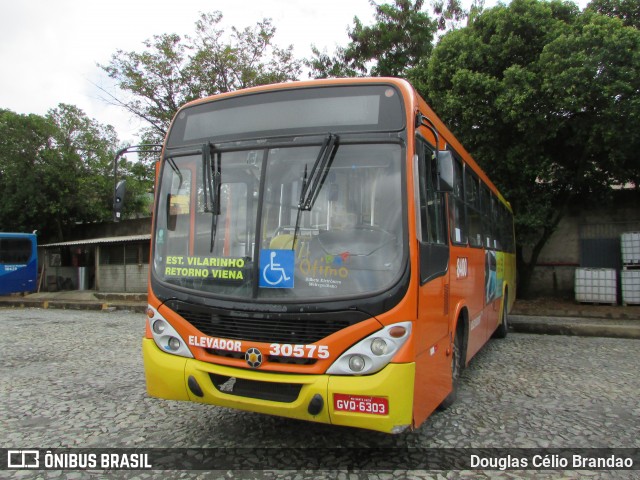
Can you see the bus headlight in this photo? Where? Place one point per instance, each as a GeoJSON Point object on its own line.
{"type": "Point", "coordinates": [356, 363]}
{"type": "Point", "coordinates": [166, 337]}
{"type": "Point", "coordinates": [174, 344]}
{"type": "Point", "coordinates": [378, 346]}
{"type": "Point", "coordinates": [373, 353]}
{"type": "Point", "coordinates": [158, 327]}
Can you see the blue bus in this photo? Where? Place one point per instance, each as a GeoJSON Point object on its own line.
{"type": "Point", "coordinates": [18, 263]}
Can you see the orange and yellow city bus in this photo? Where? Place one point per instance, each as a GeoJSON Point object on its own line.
{"type": "Point", "coordinates": [322, 250]}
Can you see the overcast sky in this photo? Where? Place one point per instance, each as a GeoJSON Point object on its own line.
{"type": "Point", "coordinates": [49, 48]}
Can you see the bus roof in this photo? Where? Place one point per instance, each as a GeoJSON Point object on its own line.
{"type": "Point", "coordinates": [398, 82]}
{"type": "Point", "coordinates": [17, 235]}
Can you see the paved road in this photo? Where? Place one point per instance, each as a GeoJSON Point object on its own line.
{"type": "Point", "coordinates": [75, 379]}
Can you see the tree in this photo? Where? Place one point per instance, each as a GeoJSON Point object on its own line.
{"type": "Point", "coordinates": [626, 10]}
{"type": "Point", "coordinates": [323, 65]}
{"type": "Point", "coordinates": [401, 37]}
{"type": "Point", "coordinates": [174, 70]}
{"type": "Point", "coordinates": [451, 15]}
{"type": "Point", "coordinates": [25, 153]}
{"type": "Point", "coordinates": [57, 170]}
{"type": "Point", "coordinates": [546, 99]}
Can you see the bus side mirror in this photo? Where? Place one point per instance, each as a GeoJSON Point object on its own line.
{"type": "Point", "coordinates": [118, 200]}
{"type": "Point", "coordinates": [445, 171]}
{"type": "Point", "coordinates": [172, 216]}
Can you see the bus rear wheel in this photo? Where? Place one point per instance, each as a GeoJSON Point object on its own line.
{"type": "Point", "coordinates": [503, 328]}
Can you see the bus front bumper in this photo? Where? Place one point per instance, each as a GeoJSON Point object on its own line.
{"type": "Point", "coordinates": [331, 399]}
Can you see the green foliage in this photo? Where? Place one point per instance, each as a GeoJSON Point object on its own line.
{"type": "Point", "coordinates": [57, 170]}
{"type": "Point", "coordinates": [174, 70]}
{"type": "Point", "coordinates": [451, 15]}
{"type": "Point", "coordinates": [401, 36]}
{"type": "Point", "coordinates": [546, 99]}
{"type": "Point", "coordinates": [399, 40]}
{"type": "Point", "coordinates": [626, 10]}
{"type": "Point", "coordinates": [26, 175]}
{"type": "Point", "coordinates": [322, 65]}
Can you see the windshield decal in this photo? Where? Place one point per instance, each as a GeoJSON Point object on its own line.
{"type": "Point", "coordinates": [326, 272]}
{"type": "Point", "coordinates": [204, 267]}
{"type": "Point", "coordinates": [328, 266]}
{"type": "Point", "coordinates": [277, 268]}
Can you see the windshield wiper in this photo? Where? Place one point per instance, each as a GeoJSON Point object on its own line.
{"type": "Point", "coordinates": [312, 184]}
{"type": "Point", "coordinates": [174, 167]}
{"type": "Point", "coordinates": [212, 181]}
{"type": "Point", "coordinates": [172, 153]}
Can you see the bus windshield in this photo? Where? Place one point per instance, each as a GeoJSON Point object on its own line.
{"type": "Point", "coordinates": [246, 234]}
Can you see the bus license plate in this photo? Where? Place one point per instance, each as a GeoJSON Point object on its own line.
{"type": "Point", "coordinates": [360, 404]}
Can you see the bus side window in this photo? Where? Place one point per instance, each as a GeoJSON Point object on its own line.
{"type": "Point", "coordinates": [432, 211]}
{"type": "Point", "coordinates": [472, 201]}
{"type": "Point", "coordinates": [456, 205]}
{"type": "Point", "coordinates": [485, 201]}
{"type": "Point", "coordinates": [498, 236]}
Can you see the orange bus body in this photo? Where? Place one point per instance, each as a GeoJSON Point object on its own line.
{"type": "Point", "coordinates": [468, 296]}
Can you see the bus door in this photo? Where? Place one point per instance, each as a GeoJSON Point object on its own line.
{"type": "Point", "coordinates": [433, 370]}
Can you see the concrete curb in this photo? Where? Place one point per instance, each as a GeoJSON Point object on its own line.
{"type": "Point", "coordinates": [73, 305]}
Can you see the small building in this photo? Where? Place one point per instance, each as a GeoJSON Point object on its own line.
{"type": "Point", "coordinates": [587, 237]}
{"type": "Point", "coordinates": [106, 257]}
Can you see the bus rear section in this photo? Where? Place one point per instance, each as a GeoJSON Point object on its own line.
{"type": "Point", "coordinates": [284, 277]}
{"type": "Point", "coordinates": [18, 263]}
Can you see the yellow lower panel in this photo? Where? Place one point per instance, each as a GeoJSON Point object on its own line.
{"type": "Point", "coordinates": [167, 377]}
{"type": "Point", "coordinates": [311, 385]}
{"type": "Point", "coordinates": [164, 373]}
{"type": "Point", "coordinates": [395, 382]}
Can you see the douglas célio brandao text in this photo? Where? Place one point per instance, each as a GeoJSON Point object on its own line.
{"type": "Point", "coordinates": [551, 461]}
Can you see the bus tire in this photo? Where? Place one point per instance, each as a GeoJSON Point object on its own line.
{"type": "Point", "coordinates": [503, 328]}
{"type": "Point", "coordinates": [456, 370]}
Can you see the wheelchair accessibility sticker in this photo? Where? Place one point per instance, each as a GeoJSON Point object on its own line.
{"type": "Point", "coordinates": [276, 268]}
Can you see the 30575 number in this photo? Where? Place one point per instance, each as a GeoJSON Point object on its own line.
{"type": "Point", "coordinates": [299, 351]}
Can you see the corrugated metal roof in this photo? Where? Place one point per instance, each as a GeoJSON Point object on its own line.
{"type": "Point", "coordinates": [104, 240]}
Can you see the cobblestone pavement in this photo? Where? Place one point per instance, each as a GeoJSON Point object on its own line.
{"type": "Point", "coordinates": [75, 379]}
